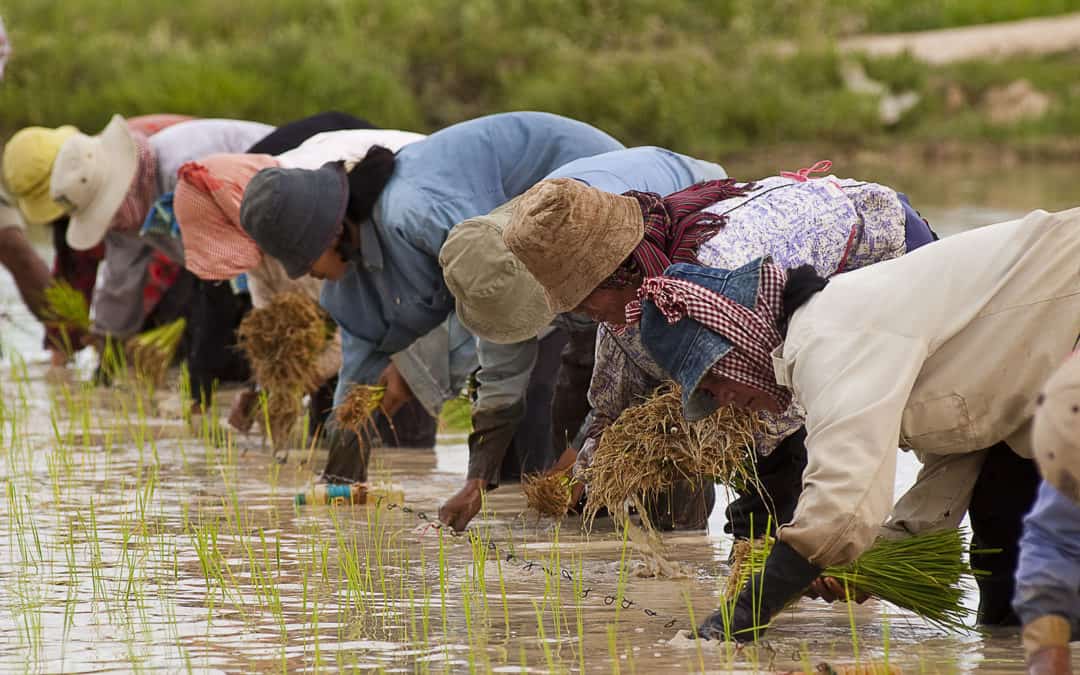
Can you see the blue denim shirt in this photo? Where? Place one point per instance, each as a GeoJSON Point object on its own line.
{"type": "Point", "coordinates": [1048, 575]}
{"type": "Point", "coordinates": [395, 293]}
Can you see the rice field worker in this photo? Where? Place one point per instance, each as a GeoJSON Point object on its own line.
{"type": "Point", "coordinates": [107, 184]}
{"type": "Point", "coordinates": [27, 168]}
{"type": "Point", "coordinates": [385, 287]}
{"type": "Point", "coordinates": [520, 341]}
{"type": "Point", "coordinates": [219, 307]}
{"type": "Point", "coordinates": [591, 251]}
{"type": "Point", "coordinates": [207, 202]}
{"type": "Point", "coordinates": [1048, 576]}
{"type": "Point", "coordinates": [942, 352]}
{"type": "Point", "coordinates": [18, 257]}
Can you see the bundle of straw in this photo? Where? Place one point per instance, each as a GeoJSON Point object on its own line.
{"type": "Point", "coordinates": [356, 411]}
{"type": "Point", "coordinates": [152, 352]}
{"type": "Point", "coordinates": [651, 446]}
{"type": "Point", "coordinates": [66, 310]}
{"type": "Point", "coordinates": [548, 494]}
{"type": "Point", "coordinates": [282, 342]}
{"type": "Point", "coordinates": [923, 573]}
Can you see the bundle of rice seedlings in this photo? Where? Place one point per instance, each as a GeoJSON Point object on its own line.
{"type": "Point", "coordinates": [548, 494]}
{"type": "Point", "coordinates": [152, 351]}
{"type": "Point", "coordinates": [66, 310]}
{"type": "Point", "coordinates": [282, 342]}
{"type": "Point", "coordinates": [651, 446]}
{"type": "Point", "coordinates": [356, 411]}
{"type": "Point", "coordinates": [923, 573]}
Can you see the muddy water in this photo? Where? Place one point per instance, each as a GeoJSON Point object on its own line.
{"type": "Point", "coordinates": [128, 542]}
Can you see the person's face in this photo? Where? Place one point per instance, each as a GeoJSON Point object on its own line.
{"type": "Point", "coordinates": [607, 304]}
{"type": "Point", "coordinates": [330, 265]}
{"type": "Point", "coordinates": [727, 391]}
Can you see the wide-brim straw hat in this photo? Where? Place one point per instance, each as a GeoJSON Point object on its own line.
{"type": "Point", "coordinates": [91, 177]}
{"type": "Point", "coordinates": [27, 166]}
{"type": "Point", "coordinates": [572, 237]}
{"type": "Point", "coordinates": [495, 295]}
{"type": "Point", "coordinates": [1056, 433]}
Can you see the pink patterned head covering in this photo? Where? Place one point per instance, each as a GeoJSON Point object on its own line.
{"type": "Point", "coordinates": [5, 48]}
{"type": "Point", "coordinates": [143, 191]}
{"type": "Point", "coordinates": [207, 206]}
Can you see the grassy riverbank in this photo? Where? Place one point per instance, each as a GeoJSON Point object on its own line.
{"type": "Point", "coordinates": [700, 77]}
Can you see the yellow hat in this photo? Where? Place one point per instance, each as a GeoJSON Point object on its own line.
{"type": "Point", "coordinates": [27, 166]}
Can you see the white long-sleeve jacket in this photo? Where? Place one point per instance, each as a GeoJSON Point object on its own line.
{"type": "Point", "coordinates": [942, 351]}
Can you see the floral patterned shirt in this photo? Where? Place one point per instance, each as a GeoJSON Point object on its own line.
{"type": "Point", "coordinates": [835, 225]}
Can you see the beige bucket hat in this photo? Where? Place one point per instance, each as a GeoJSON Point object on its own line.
{"type": "Point", "coordinates": [1056, 434]}
{"type": "Point", "coordinates": [91, 177]}
{"type": "Point", "coordinates": [496, 297]}
{"type": "Point", "coordinates": [572, 237]}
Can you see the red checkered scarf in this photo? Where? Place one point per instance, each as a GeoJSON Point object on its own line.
{"type": "Point", "coordinates": [676, 226]}
{"type": "Point", "coordinates": [207, 202]}
{"type": "Point", "coordinates": [143, 190]}
{"type": "Point", "coordinates": [753, 333]}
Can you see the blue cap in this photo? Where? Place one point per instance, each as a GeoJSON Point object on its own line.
{"type": "Point", "coordinates": [687, 350]}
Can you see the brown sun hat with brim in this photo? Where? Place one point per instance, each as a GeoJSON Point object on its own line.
{"type": "Point", "coordinates": [572, 237]}
{"type": "Point", "coordinates": [495, 296]}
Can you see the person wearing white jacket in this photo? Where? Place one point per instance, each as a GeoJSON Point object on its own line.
{"type": "Point", "coordinates": [942, 352]}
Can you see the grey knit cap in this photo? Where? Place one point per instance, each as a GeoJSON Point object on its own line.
{"type": "Point", "coordinates": [295, 215]}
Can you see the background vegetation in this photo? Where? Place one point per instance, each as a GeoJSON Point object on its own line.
{"type": "Point", "coordinates": [701, 76]}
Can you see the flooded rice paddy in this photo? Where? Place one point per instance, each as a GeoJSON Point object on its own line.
{"type": "Point", "coordinates": [132, 539]}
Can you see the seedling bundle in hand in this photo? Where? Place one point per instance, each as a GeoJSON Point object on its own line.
{"type": "Point", "coordinates": [923, 573]}
{"type": "Point", "coordinates": [282, 342]}
{"type": "Point", "coordinates": [651, 446]}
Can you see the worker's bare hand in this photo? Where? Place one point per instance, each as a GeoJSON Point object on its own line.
{"type": "Point", "coordinates": [397, 393]}
{"type": "Point", "coordinates": [831, 589]}
{"type": "Point", "coordinates": [463, 506]}
{"type": "Point", "coordinates": [242, 412]}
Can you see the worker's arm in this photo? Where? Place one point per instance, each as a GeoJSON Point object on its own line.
{"type": "Point", "coordinates": [854, 386]}
{"type": "Point", "coordinates": [117, 307]}
{"type": "Point", "coordinates": [30, 272]}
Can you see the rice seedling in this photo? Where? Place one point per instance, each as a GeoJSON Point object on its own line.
{"type": "Point", "coordinates": [356, 411]}
{"type": "Point", "coordinates": [282, 341]}
{"type": "Point", "coordinates": [548, 494]}
{"type": "Point", "coordinates": [651, 446]}
{"type": "Point", "coordinates": [924, 574]}
{"type": "Point", "coordinates": [153, 351]}
{"type": "Point", "coordinates": [66, 310]}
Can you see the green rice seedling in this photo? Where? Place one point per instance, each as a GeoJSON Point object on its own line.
{"type": "Point", "coordinates": [153, 351]}
{"type": "Point", "coordinates": [924, 574]}
{"type": "Point", "coordinates": [66, 310]}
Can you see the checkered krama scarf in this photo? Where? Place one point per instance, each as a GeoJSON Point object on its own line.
{"type": "Point", "coordinates": [676, 226]}
{"type": "Point", "coordinates": [207, 202]}
{"type": "Point", "coordinates": [143, 190]}
{"type": "Point", "coordinates": [753, 332]}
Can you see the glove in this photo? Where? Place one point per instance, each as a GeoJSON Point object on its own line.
{"type": "Point", "coordinates": [785, 577]}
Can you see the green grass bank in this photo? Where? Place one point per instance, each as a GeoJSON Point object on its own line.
{"type": "Point", "coordinates": [702, 77]}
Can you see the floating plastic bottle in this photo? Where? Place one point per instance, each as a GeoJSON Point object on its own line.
{"type": "Point", "coordinates": [337, 494]}
{"type": "Point", "coordinates": [386, 493]}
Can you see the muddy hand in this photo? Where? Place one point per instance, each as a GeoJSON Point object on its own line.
{"type": "Point", "coordinates": [830, 589]}
{"type": "Point", "coordinates": [397, 393]}
{"type": "Point", "coordinates": [242, 412]}
{"type": "Point", "coordinates": [463, 506]}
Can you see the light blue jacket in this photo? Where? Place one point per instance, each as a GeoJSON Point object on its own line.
{"type": "Point", "coordinates": [1048, 575]}
{"type": "Point", "coordinates": [395, 292]}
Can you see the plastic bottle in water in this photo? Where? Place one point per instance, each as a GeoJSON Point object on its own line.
{"type": "Point", "coordinates": [333, 493]}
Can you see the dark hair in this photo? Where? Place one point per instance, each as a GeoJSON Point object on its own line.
{"type": "Point", "coordinates": [626, 275]}
{"type": "Point", "coordinates": [802, 283]}
{"type": "Point", "coordinates": [367, 181]}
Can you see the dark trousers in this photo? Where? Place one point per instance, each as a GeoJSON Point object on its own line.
{"type": "Point", "coordinates": [1004, 493]}
{"type": "Point", "coordinates": [212, 354]}
{"type": "Point", "coordinates": [411, 427]}
{"type": "Point", "coordinates": [570, 406]}
{"type": "Point", "coordinates": [761, 508]}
